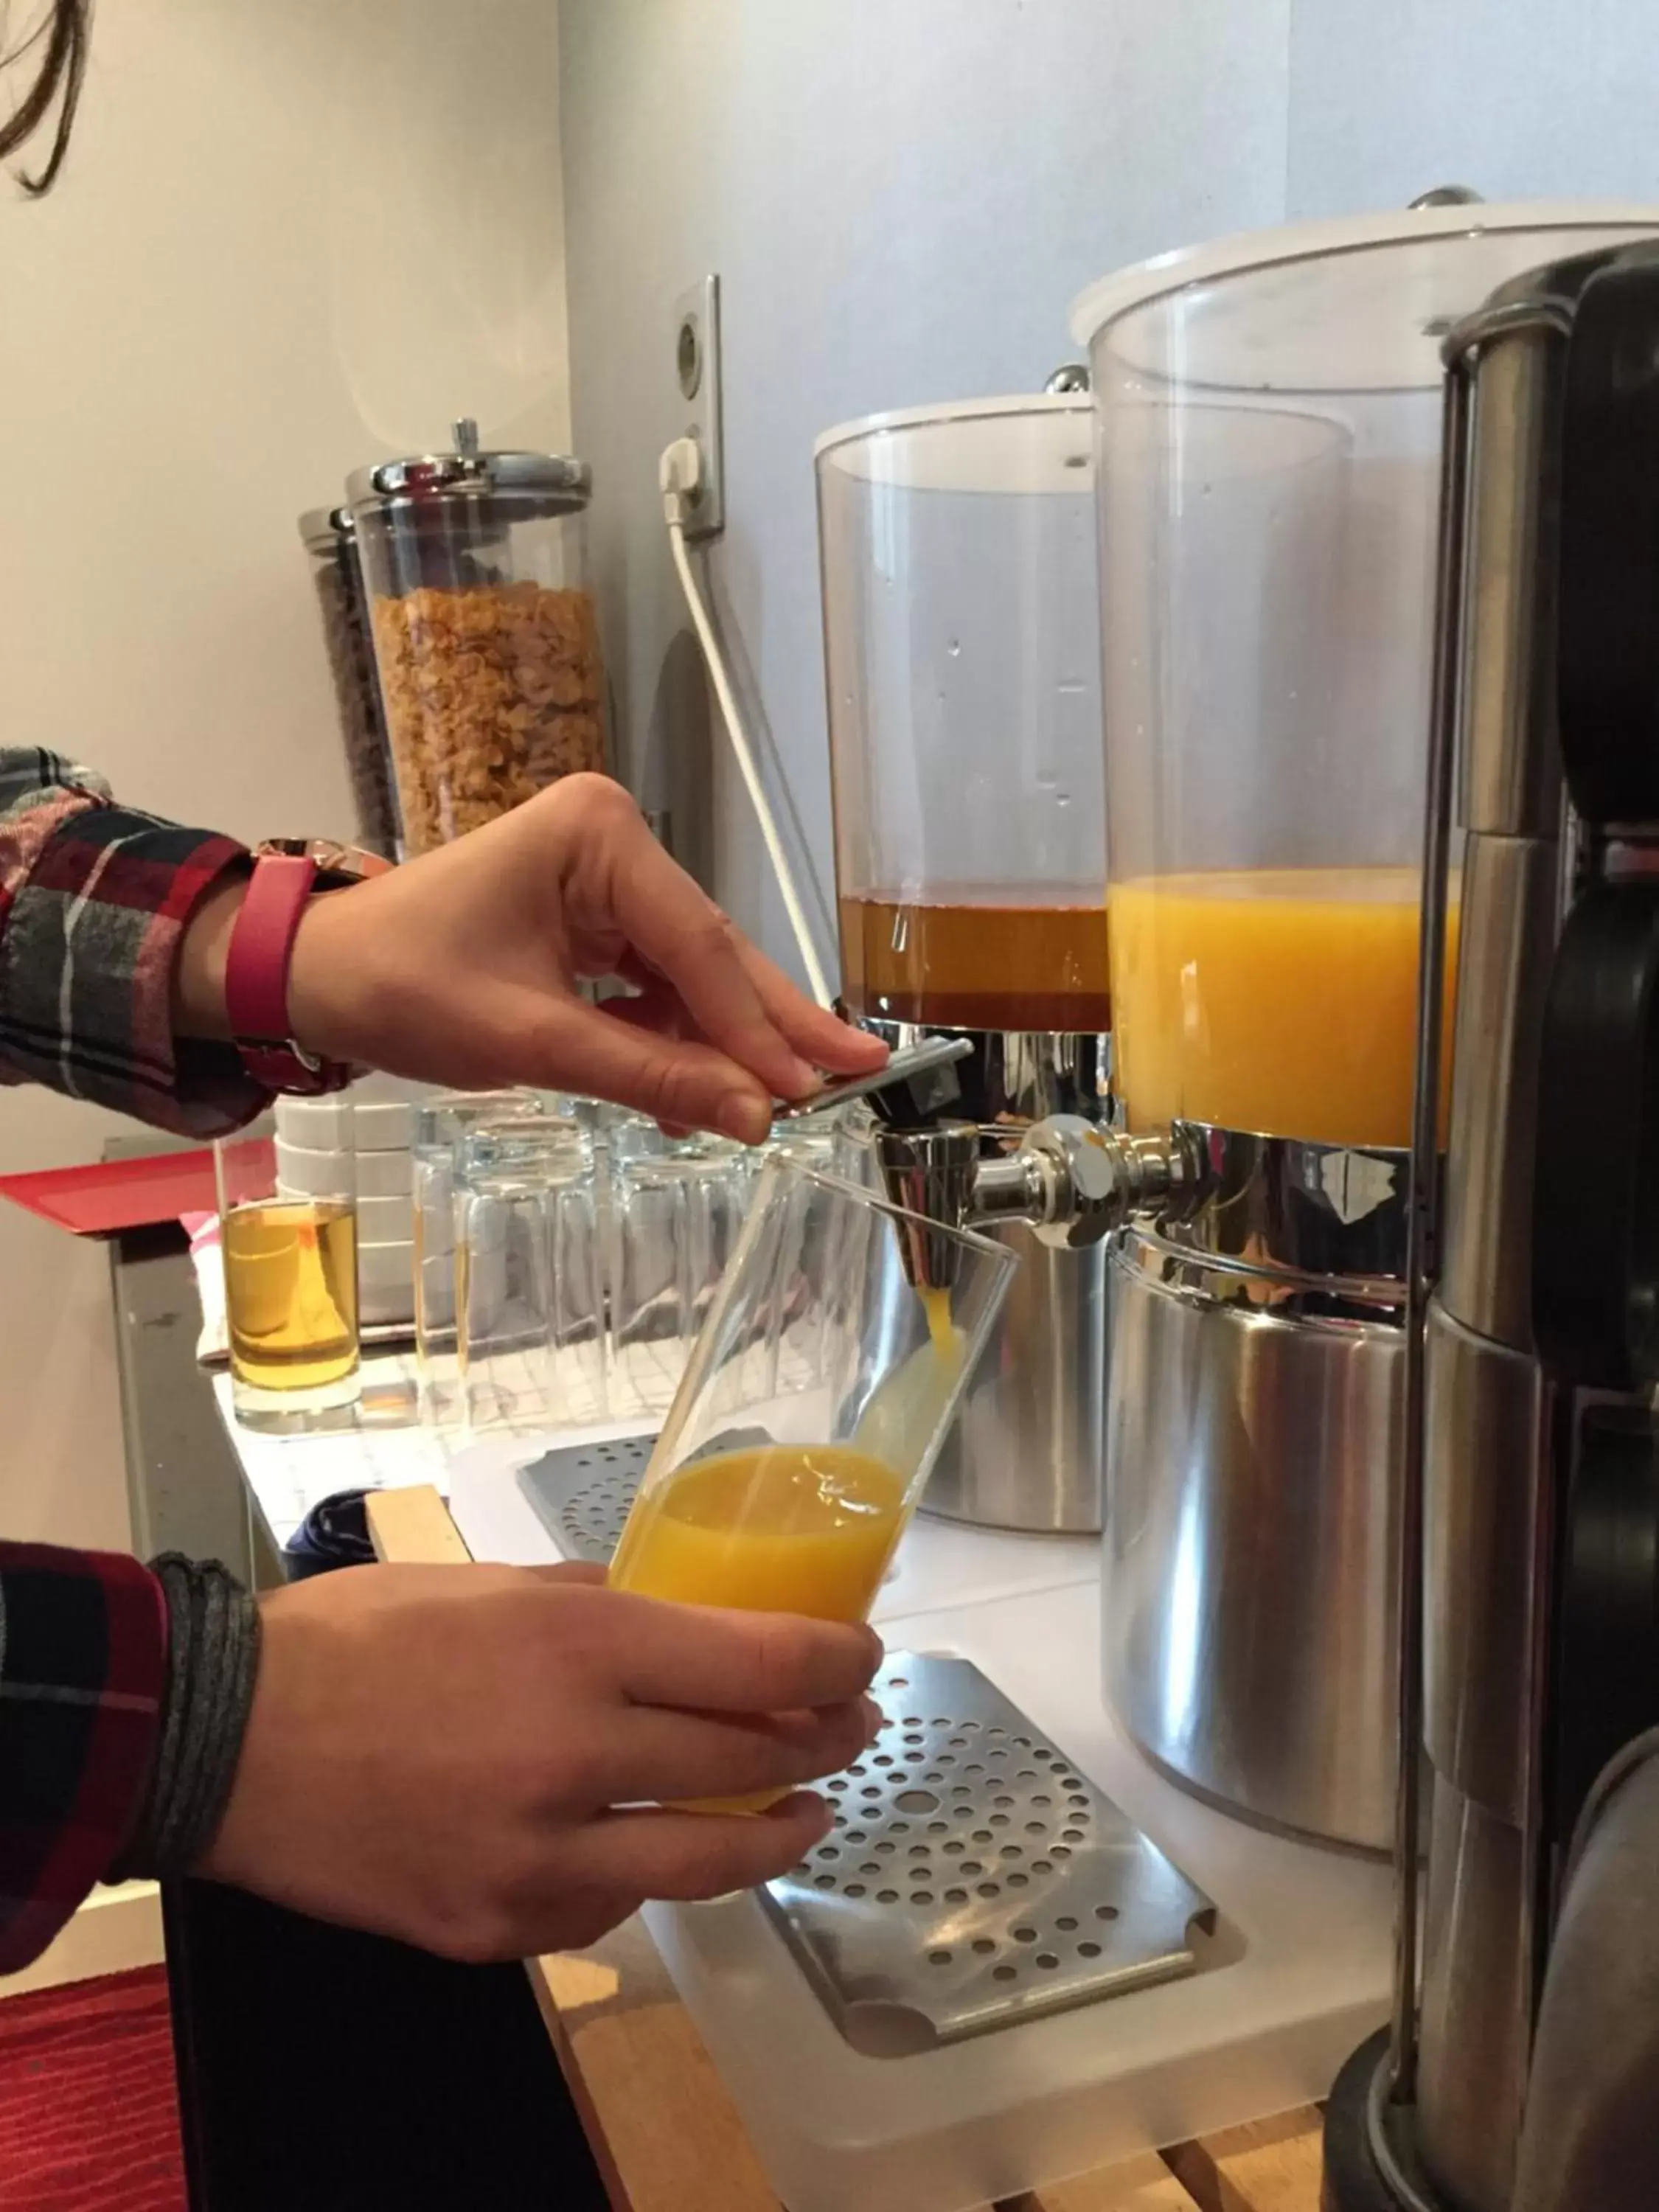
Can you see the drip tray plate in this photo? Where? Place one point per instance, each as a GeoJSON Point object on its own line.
{"type": "Point", "coordinates": [974, 1877]}
{"type": "Point", "coordinates": [582, 1494]}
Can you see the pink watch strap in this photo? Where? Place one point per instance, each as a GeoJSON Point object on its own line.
{"type": "Point", "coordinates": [256, 977]}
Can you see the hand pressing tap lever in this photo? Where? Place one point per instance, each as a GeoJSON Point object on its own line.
{"type": "Point", "coordinates": [914, 1089]}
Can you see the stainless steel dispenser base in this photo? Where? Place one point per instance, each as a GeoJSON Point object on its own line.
{"type": "Point", "coordinates": [974, 1877]}
{"type": "Point", "coordinates": [1025, 1451]}
{"type": "Point", "coordinates": [1247, 1573]}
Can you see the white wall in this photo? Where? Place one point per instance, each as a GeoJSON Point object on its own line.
{"type": "Point", "coordinates": [290, 239]}
{"type": "Point", "coordinates": [902, 196]}
{"type": "Point", "coordinates": [1521, 99]}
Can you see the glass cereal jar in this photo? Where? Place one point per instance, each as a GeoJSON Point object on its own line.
{"type": "Point", "coordinates": [485, 635]}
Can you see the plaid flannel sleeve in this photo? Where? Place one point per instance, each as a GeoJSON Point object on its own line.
{"type": "Point", "coordinates": [94, 900]}
{"type": "Point", "coordinates": [83, 1642]}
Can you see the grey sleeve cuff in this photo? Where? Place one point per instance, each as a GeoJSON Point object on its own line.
{"type": "Point", "coordinates": [212, 1658]}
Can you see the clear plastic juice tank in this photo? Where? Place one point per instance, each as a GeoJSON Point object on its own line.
{"type": "Point", "coordinates": [963, 658]}
{"type": "Point", "coordinates": [1268, 412]}
{"type": "Point", "coordinates": [1269, 432]}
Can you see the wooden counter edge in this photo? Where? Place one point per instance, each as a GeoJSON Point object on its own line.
{"type": "Point", "coordinates": [668, 2138]}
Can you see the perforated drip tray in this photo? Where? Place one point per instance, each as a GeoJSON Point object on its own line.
{"type": "Point", "coordinates": [974, 1877]}
{"type": "Point", "coordinates": [582, 1494]}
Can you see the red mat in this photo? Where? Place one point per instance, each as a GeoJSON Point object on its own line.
{"type": "Point", "coordinates": [88, 2112]}
{"type": "Point", "coordinates": [106, 1196]}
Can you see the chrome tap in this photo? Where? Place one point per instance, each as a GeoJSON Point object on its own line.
{"type": "Point", "coordinates": [1073, 1181]}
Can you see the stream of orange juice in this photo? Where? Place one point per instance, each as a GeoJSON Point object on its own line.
{"type": "Point", "coordinates": [1282, 1002]}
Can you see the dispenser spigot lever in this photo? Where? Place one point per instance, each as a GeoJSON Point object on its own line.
{"type": "Point", "coordinates": [1073, 1181]}
{"type": "Point", "coordinates": [1080, 1181]}
{"type": "Point", "coordinates": [917, 1087]}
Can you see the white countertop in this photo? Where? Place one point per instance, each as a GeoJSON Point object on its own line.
{"type": "Point", "coordinates": [387, 1450]}
{"type": "Point", "coordinates": [1300, 1973]}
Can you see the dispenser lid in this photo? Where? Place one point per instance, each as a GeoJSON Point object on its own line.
{"type": "Point", "coordinates": [556, 484]}
{"type": "Point", "coordinates": [1361, 303]}
{"type": "Point", "coordinates": [322, 527]}
{"type": "Point", "coordinates": [1030, 442]}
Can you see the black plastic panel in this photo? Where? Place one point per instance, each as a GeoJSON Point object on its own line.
{"type": "Point", "coordinates": [1595, 1219]}
{"type": "Point", "coordinates": [1607, 1651]}
{"type": "Point", "coordinates": [1608, 641]}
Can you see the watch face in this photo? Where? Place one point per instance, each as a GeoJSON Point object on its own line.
{"type": "Point", "coordinates": [328, 856]}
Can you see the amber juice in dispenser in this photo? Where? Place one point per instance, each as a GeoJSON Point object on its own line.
{"type": "Point", "coordinates": [1025, 960]}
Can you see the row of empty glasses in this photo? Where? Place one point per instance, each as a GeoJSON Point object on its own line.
{"type": "Point", "coordinates": [567, 1254]}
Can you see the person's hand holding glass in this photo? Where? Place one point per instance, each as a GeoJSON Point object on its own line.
{"type": "Point", "coordinates": [832, 1361]}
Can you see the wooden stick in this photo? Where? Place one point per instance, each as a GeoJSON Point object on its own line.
{"type": "Point", "coordinates": [1269, 2165]}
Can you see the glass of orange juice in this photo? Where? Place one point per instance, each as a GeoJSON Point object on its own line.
{"type": "Point", "coordinates": [814, 1401]}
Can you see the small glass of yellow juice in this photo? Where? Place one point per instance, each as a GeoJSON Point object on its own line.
{"type": "Point", "coordinates": [814, 1402]}
{"type": "Point", "coordinates": [287, 1232]}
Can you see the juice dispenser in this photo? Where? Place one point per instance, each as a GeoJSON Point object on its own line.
{"type": "Point", "coordinates": [962, 651]}
{"type": "Point", "coordinates": [1269, 424]}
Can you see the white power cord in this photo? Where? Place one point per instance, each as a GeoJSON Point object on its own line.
{"type": "Point", "coordinates": [679, 475]}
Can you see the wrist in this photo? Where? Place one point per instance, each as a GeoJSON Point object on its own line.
{"type": "Point", "coordinates": [316, 966]}
{"type": "Point", "coordinates": [213, 1661]}
{"type": "Point", "coordinates": [198, 975]}
{"type": "Point", "coordinates": [280, 1023]}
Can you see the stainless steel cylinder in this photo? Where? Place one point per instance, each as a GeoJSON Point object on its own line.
{"type": "Point", "coordinates": [1026, 1451]}
{"type": "Point", "coordinates": [1472, 2032]}
{"type": "Point", "coordinates": [930, 1173]}
{"type": "Point", "coordinates": [1251, 1524]}
{"type": "Point", "coordinates": [1027, 1448]}
{"type": "Point", "coordinates": [1486, 1567]}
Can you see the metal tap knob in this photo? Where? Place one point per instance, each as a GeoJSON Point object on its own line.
{"type": "Point", "coordinates": [1073, 1181]}
{"type": "Point", "coordinates": [1448, 195]}
{"type": "Point", "coordinates": [1076, 1182]}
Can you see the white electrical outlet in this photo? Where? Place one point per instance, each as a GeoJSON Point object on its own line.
{"type": "Point", "coordinates": [697, 383]}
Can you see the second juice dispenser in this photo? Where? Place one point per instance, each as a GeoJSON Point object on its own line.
{"type": "Point", "coordinates": [962, 660]}
{"type": "Point", "coordinates": [1270, 431]}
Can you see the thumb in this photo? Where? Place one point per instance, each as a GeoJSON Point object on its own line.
{"type": "Point", "coordinates": [673, 1079]}
{"type": "Point", "coordinates": [583, 1573]}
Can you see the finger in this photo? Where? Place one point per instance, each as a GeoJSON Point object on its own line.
{"type": "Point", "coordinates": [814, 1032]}
{"type": "Point", "coordinates": [662, 1756]}
{"type": "Point", "coordinates": [564, 1922]}
{"type": "Point", "coordinates": [572, 1047]}
{"type": "Point", "coordinates": [684, 1855]}
{"type": "Point", "coordinates": [579, 1572]}
{"type": "Point", "coordinates": [715, 1659]}
{"type": "Point", "coordinates": [680, 932]}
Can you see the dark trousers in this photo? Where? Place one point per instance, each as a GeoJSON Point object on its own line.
{"type": "Point", "coordinates": [323, 2070]}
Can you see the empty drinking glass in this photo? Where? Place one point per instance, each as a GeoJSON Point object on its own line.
{"type": "Point", "coordinates": [440, 1124]}
{"type": "Point", "coordinates": [529, 1283]}
{"type": "Point", "coordinates": [675, 1211]}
